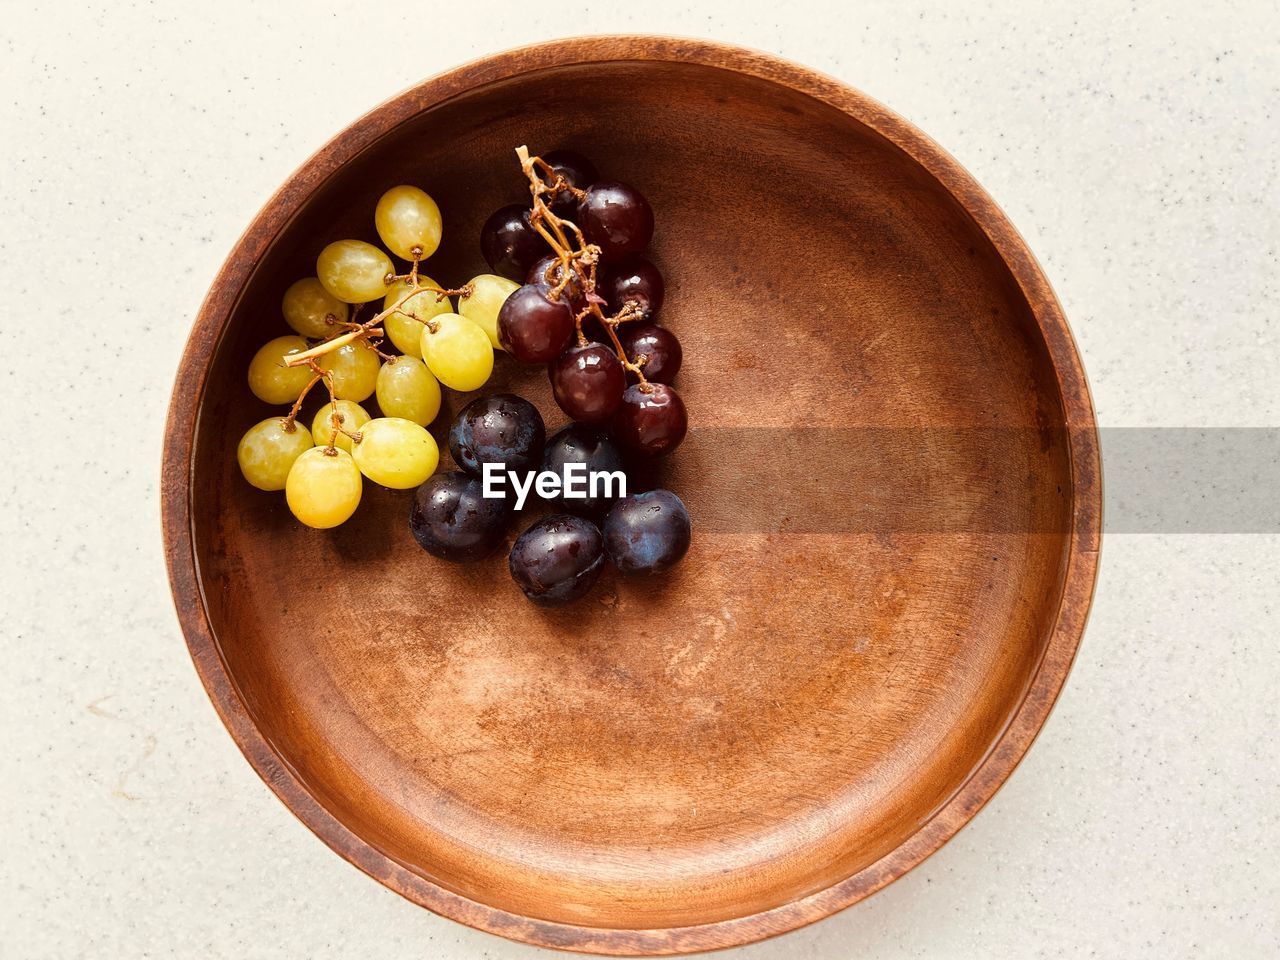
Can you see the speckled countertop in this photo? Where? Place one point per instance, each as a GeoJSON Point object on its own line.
{"type": "Point", "coordinates": [1136, 146]}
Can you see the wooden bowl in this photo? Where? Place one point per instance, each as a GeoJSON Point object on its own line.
{"type": "Point", "coordinates": [894, 479]}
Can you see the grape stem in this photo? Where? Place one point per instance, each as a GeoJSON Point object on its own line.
{"type": "Point", "coordinates": [330, 345]}
{"type": "Point", "coordinates": [287, 422]}
{"type": "Point", "coordinates": [335, 421]}
{"type": "Point", "coordinates": [413, 270]}
{"type": "Point", "coordinates": [576, 257]}
{"type": "Point", "coordinates": [370, 328]}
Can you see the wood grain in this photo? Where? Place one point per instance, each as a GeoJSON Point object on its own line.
{"type": "Point", "coordinates": [832, 683]}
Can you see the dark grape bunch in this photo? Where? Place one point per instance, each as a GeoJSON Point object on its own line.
{"type": "Point", "coordinates": [587, 311]}
{"type": "Point", "coordinates": [588, 308]}
{"type": "Point", "coordinates": [560, 557]}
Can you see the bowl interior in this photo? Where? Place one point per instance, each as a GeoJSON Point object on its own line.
{"type": "Point", "coordinates": [881, 495]}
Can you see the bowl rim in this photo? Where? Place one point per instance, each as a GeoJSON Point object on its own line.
{"type": "Point", "coordinates": [1082, 552]}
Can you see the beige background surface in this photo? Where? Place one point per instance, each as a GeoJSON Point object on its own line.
{"type": "Point", "coordinates": [1135, 145]}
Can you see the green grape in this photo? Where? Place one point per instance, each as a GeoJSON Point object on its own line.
{"type": "Point", "coordinates": [407, 217]}
{"type": "Point", "coordinates": [307, 305]}
{"type": "Point", "coordinates": [353, 271]}
{"type": "Point", "coordinates": [355, 370]}
{"type": "Point", "coordinates": [406, 332]}
{"type": "Point", "coordinates": [488, 295]}
{"type": "Point", "coordinates": [270, 379]}
{"type": "Point", "coordinates": [353, 416]}
{"type": "Point", "coordinates": [267, 451]}
{"type": "Point", "coordinates": [396, 453]}
{"type": "Point", "coordinates": [323, 489]}
{"type": "Point", "coordinates": [458, 352]}
{"type": "Point", "coordinates": [407, 389]}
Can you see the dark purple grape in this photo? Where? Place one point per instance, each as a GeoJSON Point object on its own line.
{"type": "Point", "coordinates": [503, 429]}
{"type": "Point", "coordinates": [634, 280]}
{"type": "Point", "coordinates": [647, 532]}
{"type": "Point", "coordinates": [558, 559]}
{"type": "Point", "coordinates": [545, 274]}
{"type": "Point", "coordinates": [532, 328]}
{"type": "Point", "coordinates": [452, 519]}
{"type": "Point", "coordinates": [509, 243]}
{"type": "Point", "coordinates": [650, 424]}
{"type": "Point", "coordinates": [578, 172]}
{"type": "Point", "coordinates": [616, 218]}
{"type": "Point", "coordinates": [596, 451]}
{"type": "Point", "coordinates": [588, 382]}
{"type": "Point", "coordinates": [659, 347]}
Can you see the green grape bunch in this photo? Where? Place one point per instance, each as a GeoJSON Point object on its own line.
{"type": "Point", "coordinates": [322, 469]}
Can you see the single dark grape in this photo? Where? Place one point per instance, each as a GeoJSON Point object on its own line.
{"type": "Point", "coordinates": [596, 451]}
{"type": "Point", "coordinates": [633, 280]}
{"type": "Point", "coordinates": [557, 559]}
{"type": "Point", "coordinates": [452, 519]}
{"type": "Point", "coordinates": [616, 218]}
{"type": "Point", "coordinates": [532, 328]}
{"type": "Point", "coordinates": [545, 274]}
{"type": "Point", "coordinates": [503, 429]}
{"type": "Point", "coordinates": [509, 243]}
{"type": "Point", "coordinates": [588, 382]}
{"type": "Point", "coordinates": [577, 171]}
{"type": "Point", "coordinates": [650, 424]}
{"type": "Point", "coordinates": [659, 347]}
{"type": "Point", "coordinates": [647, 532]}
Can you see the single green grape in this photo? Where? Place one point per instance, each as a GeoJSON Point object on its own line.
{"type": "Point", "coordinates": [267, 452]}
{"type": "Point", "coordinates": [270, 380]}
{"type": "Point", "coordinates": [396, 453]}
{"type": "Point", "coordinates": [353, 416]}
{"type": "Point", "coordinates": [323, 488]}
{"type": "Point", "coordinates": [407, 217]}
{"type": "Point", "coordinates": [353, 271]}
{"type": "Point", "coordinates": [407, 389]}
{"type": "Point", "coordinates": [406, 332]}
{"type": "Point", "coordinates": [307, 305]}
{"type": "Point", "coordinates": [457, 351]}
{"type": "Point", "coordinates": [355, 370]}
{"type": "Point", "coordinates": [489, 293]}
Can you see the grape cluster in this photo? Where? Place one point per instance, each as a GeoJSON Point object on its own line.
{"type": "Point", "coordinates": [570, 291]}
{"type": "Point", "coordinates": [587, 307]}
{"type": "Point", "coordinates": [587, 311]}
{"type": "Point", "coordinates": [321, 470]}
{"type": "Point", "coordinates": [561, 556]}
